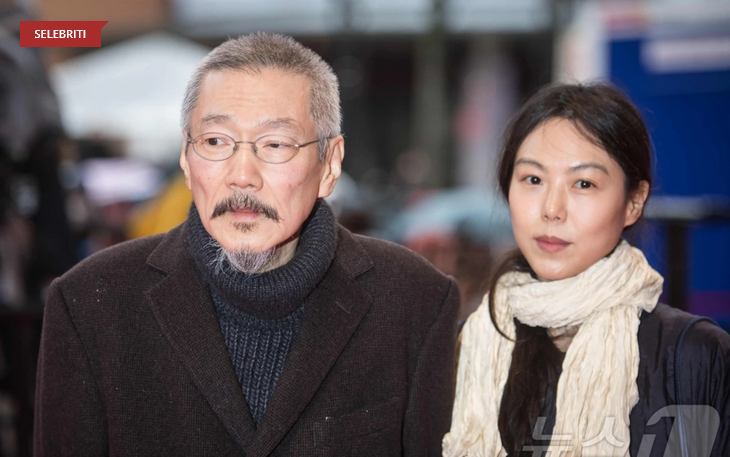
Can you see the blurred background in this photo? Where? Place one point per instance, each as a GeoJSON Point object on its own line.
{"type": "Point", "coordinates": [89, 137]}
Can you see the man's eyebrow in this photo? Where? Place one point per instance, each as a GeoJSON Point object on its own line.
{"type": "Point", "coordinates": [532, 162]}
{"type": "Point", "coordinates": [588, 165]}
{"type": "Point", "coordinates": [215, 119]}
{"type": "Point", "coordinates": [279, 123]}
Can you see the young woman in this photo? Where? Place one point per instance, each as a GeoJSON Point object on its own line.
{"type": "Point", "coordinates": [570, 354]}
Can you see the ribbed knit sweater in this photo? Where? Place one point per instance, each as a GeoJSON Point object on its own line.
{"type": "Point", "coordinates": [260, 314]}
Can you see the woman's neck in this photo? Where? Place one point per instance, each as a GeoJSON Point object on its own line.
{"type": "Point", "coordinates": [563, 336]}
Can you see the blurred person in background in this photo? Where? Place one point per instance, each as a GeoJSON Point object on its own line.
{"type": "Point", "coordinates": [36, 241]}
{"type": "Point", "coordinates": [35, 237]}
{"type": "Point", "coordinates": [259, 326]}
{"type": "Point", "coordinates": [570, 353]}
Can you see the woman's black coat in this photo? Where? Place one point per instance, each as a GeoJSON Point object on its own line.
{"type": "Point", "coordinates": [702, 369]}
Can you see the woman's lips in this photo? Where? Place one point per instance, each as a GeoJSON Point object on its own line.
{"type": "Point", "coordinates": [551, 244]}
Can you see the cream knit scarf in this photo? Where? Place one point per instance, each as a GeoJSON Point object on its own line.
{"type": "Point", "coordinates": [597, 387]}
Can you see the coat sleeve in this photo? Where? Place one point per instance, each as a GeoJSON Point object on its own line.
{"type": "Point", "coordinates": [69, 417]}
{"type": "Point", "coordinates": [705, 381]}
{"type": "Point", "coordinates": [431, 394]}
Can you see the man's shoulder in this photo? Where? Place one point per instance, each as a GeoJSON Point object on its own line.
{"type": "Point", "coordinates": [409, 295]}
{"type": "Point", "coordinates": [397, 259]}
{"type": "Point", "coordinates": [119, 260]}
{"type": "Point", "coordinates": [394, 272]}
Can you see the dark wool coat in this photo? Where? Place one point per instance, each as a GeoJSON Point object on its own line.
{"type": "Point", "coordinates": [133, 361]}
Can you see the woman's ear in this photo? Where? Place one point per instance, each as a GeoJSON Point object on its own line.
{"type": "Point", "coordinates": [635, 205]}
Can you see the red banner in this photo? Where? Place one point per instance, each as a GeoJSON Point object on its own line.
{"type": "Point", "coordinates": [61, 34]}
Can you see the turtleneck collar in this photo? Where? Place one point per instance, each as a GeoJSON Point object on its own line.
{"type": "Point", "coordinates": [275, 293]}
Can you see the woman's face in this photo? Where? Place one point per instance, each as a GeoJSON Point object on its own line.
{"type": "Point", "coordinates": [568, 201]}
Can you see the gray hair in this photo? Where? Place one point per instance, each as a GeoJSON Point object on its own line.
{"type": "Point", "coordinates": [255, 52]}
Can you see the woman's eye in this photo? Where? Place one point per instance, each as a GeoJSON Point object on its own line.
{"type": "Point", "coordinates": [534, 180]}
{"type": "Point", "coordinates": [582, 184]}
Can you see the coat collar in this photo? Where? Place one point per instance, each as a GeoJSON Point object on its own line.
{"type": "Point", "coordinates": [184, 309]}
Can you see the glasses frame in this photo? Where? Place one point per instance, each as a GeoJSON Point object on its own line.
{"type": "Point", "coordinates": [253, 148]}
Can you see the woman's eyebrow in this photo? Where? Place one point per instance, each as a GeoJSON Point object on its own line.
{"type": "Point", "coordinates": [588, 165]}
{"type": "Point", "coordinates": [532, 162]}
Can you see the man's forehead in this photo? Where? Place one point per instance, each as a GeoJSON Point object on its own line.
{"type": "Point", "coordinates": [227, 85]}
{"type": "Point", "coordinates": [270, 123]}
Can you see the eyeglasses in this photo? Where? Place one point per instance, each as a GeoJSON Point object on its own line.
{"type": "Point", "coordinates": [268, 148]}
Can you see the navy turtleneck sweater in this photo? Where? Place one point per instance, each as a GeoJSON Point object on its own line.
{"type": "Point", "coordinates": [260, 314]}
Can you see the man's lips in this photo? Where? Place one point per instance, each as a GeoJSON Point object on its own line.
{"type": "Point", "coordinates": [551, 244]}
{"type": "Point", "coordinates": [244, 215]}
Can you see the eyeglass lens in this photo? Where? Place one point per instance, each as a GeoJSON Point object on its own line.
{"type": "Point", "coordinates": [269, 148]}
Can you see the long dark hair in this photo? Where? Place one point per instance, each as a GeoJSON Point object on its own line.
{"type": "Point", "coordinates": [607, 118]}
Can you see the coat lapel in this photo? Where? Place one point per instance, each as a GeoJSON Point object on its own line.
{"type": "Point", "coordinates": [182, 305]}
{"type": "Point", "coordinates": [332, 314]}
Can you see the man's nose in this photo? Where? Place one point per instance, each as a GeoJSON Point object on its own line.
{"type": "Point", "coordinates": [244, 169]}
{"type": "Point", "coordinates": [554, 204]}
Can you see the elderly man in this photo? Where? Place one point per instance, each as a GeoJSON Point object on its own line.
{"type": "Point", "coordinates": [259, 326]}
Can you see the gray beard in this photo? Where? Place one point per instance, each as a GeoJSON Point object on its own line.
{"type": "Point", "coordinates": [244, 260]}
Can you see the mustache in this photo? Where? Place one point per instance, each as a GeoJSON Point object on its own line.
{"type": "Point", "coordinates": [240, 201]}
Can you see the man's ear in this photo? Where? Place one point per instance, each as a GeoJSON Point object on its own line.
{"type": "Point", "coordinates": [635, 205]}
{"type": "Point", "coordinates": [332, 166]}
{"type": "Point", "coordinates": [184, 161]}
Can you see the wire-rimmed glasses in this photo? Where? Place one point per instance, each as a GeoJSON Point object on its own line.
{"type": "Point", "coordinates": [216, 147]}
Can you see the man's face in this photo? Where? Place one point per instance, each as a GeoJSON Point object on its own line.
{"type": "Point", "coordinates": [273, 199]}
